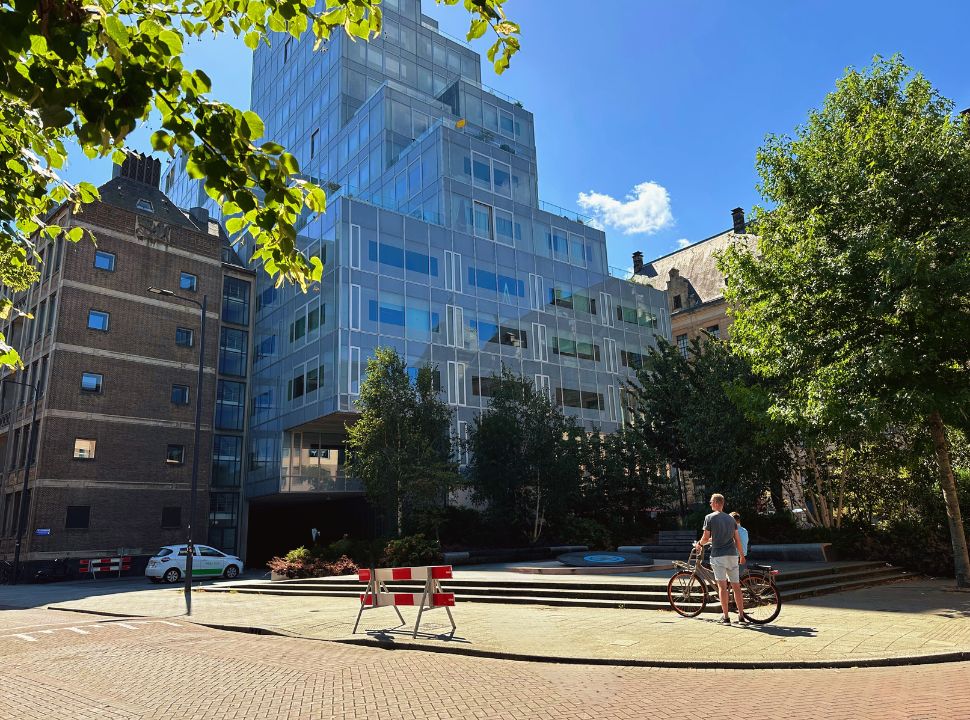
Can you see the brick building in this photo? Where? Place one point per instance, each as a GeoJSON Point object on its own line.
{"type": "Point", "coordinates": [116, 371]}
{"type": "Point", "coordinates": [694, 285]}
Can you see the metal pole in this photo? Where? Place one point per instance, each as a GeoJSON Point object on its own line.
{"type": "Point", "coordinates": [22, 515]}
{"type": "Point", "coordinates": [189, 547]}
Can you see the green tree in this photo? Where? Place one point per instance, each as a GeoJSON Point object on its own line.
{"type": "Point", "coordinates": [701, 414]}
{"type": "Point", "coordinates": [525, 458]}
{"type": "Point", "coordinates": [858, 301]}
{"type": "Point", "coordinates": [400, 446]}
{"type": "Point", "coordinates": [90, 72]}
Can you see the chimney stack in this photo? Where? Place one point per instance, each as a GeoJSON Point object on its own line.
{"type": "Point", "coordinates": [637, 262]}
{"type": "Point", "coordinates": [737, 216]}
{"type": "Point", "coordinates": [140, 168]}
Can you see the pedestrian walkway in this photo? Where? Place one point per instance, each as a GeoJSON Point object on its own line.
{"type": "Point", "coordinates": [905, 621]}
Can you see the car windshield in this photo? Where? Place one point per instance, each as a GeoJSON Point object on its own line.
{"type": "Point", "coordinates": [163, 552]}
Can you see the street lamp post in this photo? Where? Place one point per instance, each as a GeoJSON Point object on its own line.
{"type": "Point", "coordinates": [189, 547]}
{"type": "Point", "coordinates": [22, 514]}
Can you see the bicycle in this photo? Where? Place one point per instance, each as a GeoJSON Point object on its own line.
{"type": "Point", "coordinates": [693, 586]}
{"type": "Point", "coordinates": [6, 572]}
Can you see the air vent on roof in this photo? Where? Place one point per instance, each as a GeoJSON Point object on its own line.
{"type": "Point", "coordinates": [145, 205]}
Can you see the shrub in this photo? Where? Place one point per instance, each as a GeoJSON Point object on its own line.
{"type": "Point", "coordinates": [299, 564]}
{"type": "Point", "coordinates": [414, 550]}
{"type": "Point", "coordinates": [574, 530]}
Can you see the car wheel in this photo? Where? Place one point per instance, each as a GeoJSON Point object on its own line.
{"type": "Point", "coordinates": [172, 575]}
{"type": "Point", "coordinates": [231, 572]}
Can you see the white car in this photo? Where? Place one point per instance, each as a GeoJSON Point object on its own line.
{"type": "Point", "coordinates": [168, 564]}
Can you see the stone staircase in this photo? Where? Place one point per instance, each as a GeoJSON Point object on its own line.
{"type": "Point", "coordinates": [647, 593]}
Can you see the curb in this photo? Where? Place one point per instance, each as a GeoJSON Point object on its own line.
{"type": "Point", "coordinates": [904, 660]}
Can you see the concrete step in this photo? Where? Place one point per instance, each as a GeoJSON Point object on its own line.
{"type": "Point", "coordinates": [650, 594]}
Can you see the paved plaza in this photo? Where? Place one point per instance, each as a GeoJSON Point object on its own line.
{"type": "Point", "coordinates": [895, 622]}
{"type": "Point", "coordinates": [73, 665]}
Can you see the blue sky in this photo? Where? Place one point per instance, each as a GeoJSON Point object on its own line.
{"type": "Point", "coordinates": [667, 102]}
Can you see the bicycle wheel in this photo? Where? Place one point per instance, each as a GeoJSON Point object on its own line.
{"type": "Point", "coordinates": [687, 594]}
{"type": "Point", "coordinates": [761, 600]}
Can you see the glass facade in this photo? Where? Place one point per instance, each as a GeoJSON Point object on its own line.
{"type": "Point", "coordinates": [434, 242]}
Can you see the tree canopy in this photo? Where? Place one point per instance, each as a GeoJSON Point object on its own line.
{"type": "Point", "coordinates": [89, 73]}
{"type": "Point", "coordinates": [400, 446]}
{"type": "Point", "coordinates": [857, 304]}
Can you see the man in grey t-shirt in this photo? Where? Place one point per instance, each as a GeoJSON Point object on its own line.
{"type": "Point", "coordinates": [721, 531]}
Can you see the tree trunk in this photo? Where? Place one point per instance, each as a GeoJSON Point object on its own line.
{"type": "Point", "coordinates": [961, 561]}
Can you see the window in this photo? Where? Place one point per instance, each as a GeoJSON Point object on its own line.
{"type": "Point", "coordinates": [456, 383]}
{"type": "Point", "coordinates": [233, 351]}
{"type": "Point", "coordinates": [714, 331]}
{"type": "Point", "coordinates": [314, 139]}
{"type": "Point", "coordinates": [463, 451]}
{"type": "Point", "coordinates": [175, 454]}
{"type": "Point", "coordinates": [544, 387]}
{"type": "Point", "coordinates": [145, 205]}
{"type": "Point", "coordinates": [230, 405]}
{"type": "Point", "coordinates": [455, 326]}
{"type": "Point", "coordinates": [78, 517]}
{"type": "Point", "coordinates": [355, 307]}
{"type": "Point", "coordinates": [91, 382]}
{"type": "Point", "coordinates": [452, 271]}
{"type": "Point", "coordinates": [98, 320]}
{"type": "Point", "coordinates": [481, 171]}
{"type": "Point", "coordinates": [678, 302]}
{"type": "Point", "coordinates": [535, 292]}
{"type": "Point", "coordinates": [355, 246]}
{"type": "Point", "coordinates": [682, 344]}
{"type": "Point", "coordinates": [353, 375]}
{"type": "Point", "coordinates": [84, 449]}
{"type": "Point", "coordinates": [606, 301]}
{"type": "Point", "coordinates": [210, 552]}
{"type": "Point", "coordinates": [503, 227]}
{"type": "Point", "coordinates": [188, 281]}
{"type": "Point", "coordinates": [180, 394]}
{"type": "Point", "coordinates": [610, 355]}
{"type": "Point", "coordinates": [104, 260]}
{"type": "Point", "coordinates": [235, 301]}
{"type": "Point", "coordinates": [226, 461]}
{"type": "Point", "coordinates": [171, 517]}
{"type": "Point", "coordinates": [502, 174]}
{"type": "Point", "coordinates": [483, 220]}
{"type": "Point", "coordinates": [184, 337]}
{"type": "Point", "coordinates": [540, 350]}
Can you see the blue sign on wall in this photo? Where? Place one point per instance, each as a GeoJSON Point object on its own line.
{"type": "Point", "coordinates": [42, 531]}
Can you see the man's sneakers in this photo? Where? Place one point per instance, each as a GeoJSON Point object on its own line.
{"type": "Point", "coordinates": [725, 620]}
{"type": "Point", "coordinates": [743, 619]}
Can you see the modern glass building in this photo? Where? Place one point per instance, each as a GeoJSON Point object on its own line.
{"type": "Point", "coordinates": [435, 243]}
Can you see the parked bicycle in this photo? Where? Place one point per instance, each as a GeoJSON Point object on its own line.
{"type": "Point", "coordinates": [690, 589]}
{"type": "Point", "coordinates": [6, 572]}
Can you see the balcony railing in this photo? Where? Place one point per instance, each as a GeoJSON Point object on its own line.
{"type": "Point", "coordinates": [337, 483]}
{"type": "Point", "coordinates": [566, 213]}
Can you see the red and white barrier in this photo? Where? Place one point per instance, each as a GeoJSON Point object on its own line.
{"type": "Point", "coordinates": [104, 565]}
{"type": "Point", "coordinates": [377, 594]}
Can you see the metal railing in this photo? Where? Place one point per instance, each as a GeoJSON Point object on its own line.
{"type": "Point", "coordinates": [337, 482]}
{"type": "Point", "coordinates": [565, 212]}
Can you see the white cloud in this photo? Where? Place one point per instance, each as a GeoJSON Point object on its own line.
{"type": "Point", "coordinates": [683, 242]}
{"type": "Point", "coordinates": [644, 210]}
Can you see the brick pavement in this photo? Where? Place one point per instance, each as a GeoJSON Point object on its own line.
{"type": "Point", "coordinates": [189, 671]}
{"type": "Point", "coordinates": [904, 619]}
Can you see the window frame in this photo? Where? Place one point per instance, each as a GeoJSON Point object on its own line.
{"type": "Point", "coordinates": [94, 449]}
{"type": "Point", "coordinates": [183, 274]}
{"type": "Point", "coordinates": [107, 320]}
{"type": "Point", "coordinates": [169, 460]}
{"type": "Point", "coordinates": [191, 333]}
{"type": "Point", "coordinates": [98, 254]}
{"type": "Point", "coordinates": [179, 386]}
{"type": "Point", "coordinates": [97, 390]}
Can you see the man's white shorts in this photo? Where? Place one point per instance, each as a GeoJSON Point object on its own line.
{"type": "Point", "coordinates": [726, 568]}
